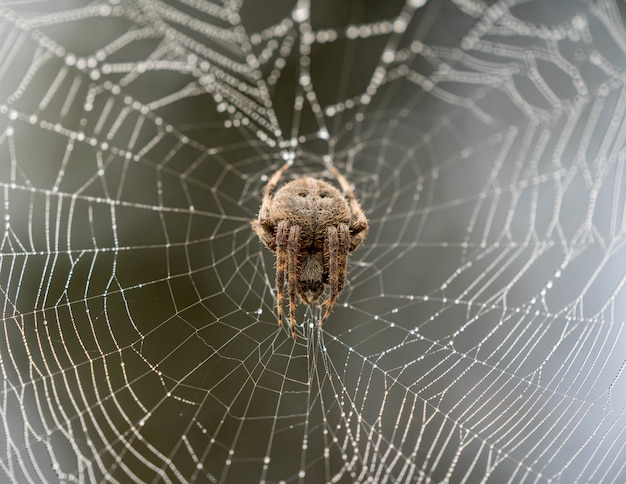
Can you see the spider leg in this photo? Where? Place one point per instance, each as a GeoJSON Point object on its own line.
{"type": "Point", "coordinates": [281, 251]}
{"type": "Point", "coordinates": [336, 248]}
{"type": "Point", "coordinates": [265, 233]}
{"type": "Point", "coordinates": [358, 224]}
{"type": "Point", "coordinates": [268, 191]}
{"type": "Point", "coordinates": [262, 225]}
{"type": "Point", "coordinates": [343, 233]}
{"type": "Point", "coordinates": [359, 234]}
{"type": "Point", "coordinates": [293, 248]}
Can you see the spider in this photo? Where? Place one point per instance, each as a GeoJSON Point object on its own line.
{"type": "Point", "coordinates": [312, 228]}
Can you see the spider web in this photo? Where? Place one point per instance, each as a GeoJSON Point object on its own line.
{"type": "Point", "coordinates": [480, 336]}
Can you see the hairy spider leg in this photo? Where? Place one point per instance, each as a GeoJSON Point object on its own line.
{"type": "Point", "coordinates": [358, 224]}
{"type": "Point", "coordinates": [343, 232]}
{"type": "Point", "coordinates": [265, 233]}
{"type": "Point", "coordinates": [282, 233]}
{"type": "Point", "coordinates": [336, 251]}
{"type": "Point", "coordinates": [268, 191]}
{"type": "Point", "coordinates": [293, 248]}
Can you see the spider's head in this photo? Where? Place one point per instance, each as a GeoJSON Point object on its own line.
{"type": "Point", "coordinates": [311, 285]}
{"type": "Point", "coordinates": [311, 291]}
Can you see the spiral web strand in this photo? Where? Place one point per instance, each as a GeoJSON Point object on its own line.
{"type": "Point", "coordinates": [480, 336]}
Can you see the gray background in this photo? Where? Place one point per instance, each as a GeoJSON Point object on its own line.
{"type": "Point", "coordinates": [480, 336]}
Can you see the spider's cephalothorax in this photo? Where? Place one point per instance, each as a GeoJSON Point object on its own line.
{"type": "Point", "coordinates": [312, 227]}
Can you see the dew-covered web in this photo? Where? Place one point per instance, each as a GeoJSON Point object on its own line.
{"type": "Point", "coordinates": [481, 334]}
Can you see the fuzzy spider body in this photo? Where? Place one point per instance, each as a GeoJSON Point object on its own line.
{"type": "Point", "coordinates": [312, 227]}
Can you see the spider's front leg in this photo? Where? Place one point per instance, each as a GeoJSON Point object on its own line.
{"type": "Point", "coordinates": [336, 250]}
{"type": "Point", "coordinates": [293, 249]}
{"type": "Point", "coordinates": [282, 235]}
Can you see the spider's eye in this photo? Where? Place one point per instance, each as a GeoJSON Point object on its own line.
{"type": "Point", "coordinates": [323, 194]}
{"type": "Point", "coordinates": [302, 194]}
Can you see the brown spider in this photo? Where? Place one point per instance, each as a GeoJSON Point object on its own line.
{"type": "Point", "coordinates": [312, 228]}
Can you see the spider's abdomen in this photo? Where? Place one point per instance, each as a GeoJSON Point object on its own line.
{"type": "Point", "coordinates": [312, 204]}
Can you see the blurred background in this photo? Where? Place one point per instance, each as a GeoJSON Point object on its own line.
{"type": "Point", "coordinates": [480, 336]}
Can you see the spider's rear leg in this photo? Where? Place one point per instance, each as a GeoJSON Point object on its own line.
{"type": "Point", "coordinates": [359, 226]}
{"type": "Point", "coordinates": [268, 191]}
{"type": "Point", "coordinates": [293, 248]}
